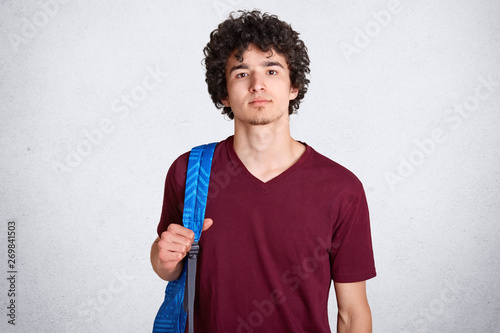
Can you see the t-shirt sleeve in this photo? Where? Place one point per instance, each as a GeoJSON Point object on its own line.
{"type": "Point", "coordinates": [351, 251]}
{"type": "Point", "coordinates": [173, 198]}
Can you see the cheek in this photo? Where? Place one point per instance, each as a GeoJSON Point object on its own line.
{"type": "Point", "coordinates": [237, 90]}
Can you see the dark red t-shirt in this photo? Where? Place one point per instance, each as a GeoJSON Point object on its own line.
{"type": "Point", "coordinates": [267, 262]}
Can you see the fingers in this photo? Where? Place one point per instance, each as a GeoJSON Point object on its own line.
{"type": "Point", "coordinates": [175, 243]}
{"type": "Point", "coordinates": [207, 223]}
{"type": "Point", "coordinates": [181, 231]}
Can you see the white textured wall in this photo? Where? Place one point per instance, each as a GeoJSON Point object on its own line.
{"type": "Point", "coordinates": [403, 103]}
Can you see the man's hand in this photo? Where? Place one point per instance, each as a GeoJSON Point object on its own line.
{"type": "Point", "coordinates": [168, 250]}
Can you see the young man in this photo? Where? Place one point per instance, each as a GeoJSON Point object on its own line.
{"type": "Point", "coordinates": [282, 220]}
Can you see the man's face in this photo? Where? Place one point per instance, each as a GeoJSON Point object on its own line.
{"type": "Point", "coordinates": [259, 88]}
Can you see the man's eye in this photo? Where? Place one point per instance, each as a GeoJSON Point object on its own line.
{"type": "Point", "coordinates": [272, 72]}
{"type": "Point", "coordinates": [241, 75]}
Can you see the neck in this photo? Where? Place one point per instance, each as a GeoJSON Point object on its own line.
{"type": "Point", "coordinates": [266, 150]}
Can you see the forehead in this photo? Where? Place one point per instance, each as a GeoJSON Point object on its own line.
{"type": "Point", "coordinates": [254, 54]}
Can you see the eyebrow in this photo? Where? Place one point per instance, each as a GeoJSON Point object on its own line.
{"type": "Point", "coordinates": [270, 63]}
{"type": "Point", "coordinates": [265, 63]}
{"type": "Point", "coordinates": [236, 67]}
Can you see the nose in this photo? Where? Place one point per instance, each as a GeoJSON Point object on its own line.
{"type": "Point", "coordinates": [257, 82]}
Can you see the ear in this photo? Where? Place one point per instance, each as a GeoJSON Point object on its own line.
{"type": "Point", "coordinates": [225, 102]}
{"type": "Point", "coordinates": [293, 93]}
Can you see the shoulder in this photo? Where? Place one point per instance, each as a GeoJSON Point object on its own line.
{"type": "Point", "coordinates": [179, 167]}
{"type": "Point", "coordinates": [333, 173]}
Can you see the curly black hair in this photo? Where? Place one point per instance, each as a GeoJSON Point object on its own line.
{"type": "Point", "coordinates": [265, 31]}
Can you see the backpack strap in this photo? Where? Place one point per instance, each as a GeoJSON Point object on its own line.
{"type": "Point", "coordinates": [195, 201]}
{"type": "Point", "coordinates": [179, 294]}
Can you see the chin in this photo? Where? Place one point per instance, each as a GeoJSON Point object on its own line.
{"type": "Point", "coordinates": [260, 122]}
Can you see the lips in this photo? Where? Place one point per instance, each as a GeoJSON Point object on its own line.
{"type": "Point", "coordinates": [259, 101]}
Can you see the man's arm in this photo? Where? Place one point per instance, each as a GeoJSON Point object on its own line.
{"type": "Point", "coordinates": [354, 312]}
{"type": "Point", "coordinates": [168, 250]}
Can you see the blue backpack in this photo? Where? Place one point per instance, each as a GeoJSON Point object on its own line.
{"type": "Point", "coordinates": [179, 295]}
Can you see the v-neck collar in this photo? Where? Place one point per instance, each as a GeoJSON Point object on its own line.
{"type": "Point", "coordinates": [265, 186]}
